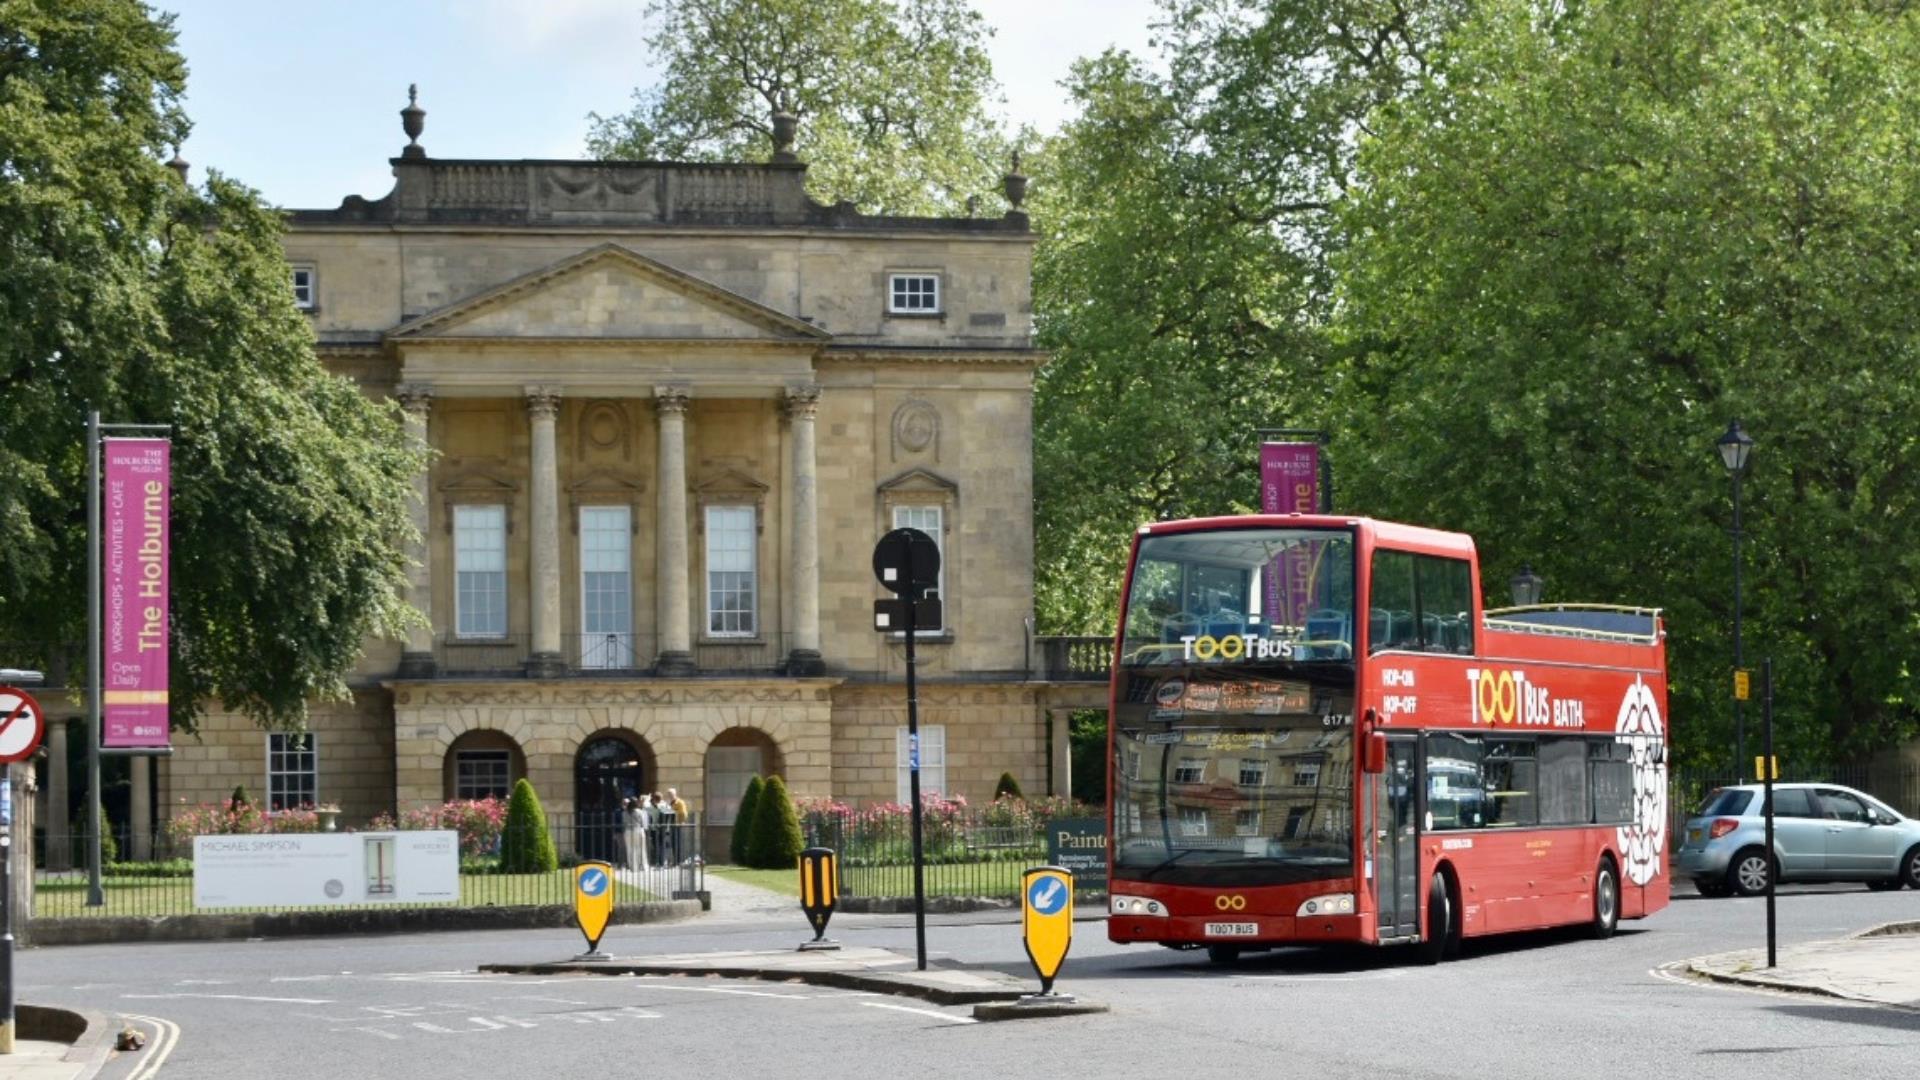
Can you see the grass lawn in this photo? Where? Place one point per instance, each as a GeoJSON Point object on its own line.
{"type": "Point", "coordinates": [780, 881]}
{"type": "Point", "coordinates": [67, 896]}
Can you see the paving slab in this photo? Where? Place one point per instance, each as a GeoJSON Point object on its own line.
{"type": "Point", "coordinates": [1878, 966]}
{"type": "Point", "coordinates": [877, 970]}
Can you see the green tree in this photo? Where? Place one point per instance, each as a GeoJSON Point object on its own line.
{"type": "Point", "coordinates": [776, 840]}
{"type": "Point", "coordinates": [1182, 280]}
{"type": "Point", "coordinates": [1598, 234]}
{"type": "Point", "coordinates": [891, 97]}
{"type": "Point", "coordinates": [123, 289]}
{"type": "Point", "coordinates": [526, 847]}
{"type": "Point", "coordinates": [743, 822]}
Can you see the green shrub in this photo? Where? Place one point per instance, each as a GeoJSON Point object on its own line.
{"type": "Point", "coordinates": [1007, 788]}
{"type": "Point", "coordinates": [239, 798]}
{"type": "Point", "coordinates": [109, 844]}
{"type": "Point", "coordinates": [776, 843]}
{"type": "Point", "coordinates": [525, 845]}
{"type": "Point", "coordinates": [743, 822]}
{"type": "Point", "coordinates": [161, 868]}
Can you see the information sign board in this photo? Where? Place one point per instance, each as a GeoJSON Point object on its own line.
{"type": "Point", "coordinates": [326, 869]}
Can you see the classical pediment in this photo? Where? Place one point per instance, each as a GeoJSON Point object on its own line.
{"type": "Point", "coordinates": [917, 481]}
{"type": "Point", "coordinates": [608, 293]}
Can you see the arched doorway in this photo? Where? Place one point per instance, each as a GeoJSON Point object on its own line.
{"type": "Point", "coordinates": [482, 764]}
{"type": "Point", "coordinates": [609, 768]}
{"type": "Point", "coordinates": [734, 758]}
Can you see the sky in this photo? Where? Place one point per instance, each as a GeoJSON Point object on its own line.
{"type": "Point", "coordinates": [301, 101]}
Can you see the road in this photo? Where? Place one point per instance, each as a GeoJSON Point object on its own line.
{"type": "Point", "coordinates": [1519, 1006]}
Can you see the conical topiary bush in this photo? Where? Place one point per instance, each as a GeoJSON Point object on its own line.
{"type": "Point", "coordinates": [776, 843]}
{"type": "Point", "coordinates": [525, 845]}
{"type": "Point", "coordinates": [743, 822]}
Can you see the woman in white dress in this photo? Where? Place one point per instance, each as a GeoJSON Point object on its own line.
{"type": "Point", "coordinates": [637, 822]}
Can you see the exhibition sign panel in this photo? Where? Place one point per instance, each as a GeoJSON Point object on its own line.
{"type": "Point", "coordinates": [324, 869]}
{"type": "Point", "coordinates": [136, 544]}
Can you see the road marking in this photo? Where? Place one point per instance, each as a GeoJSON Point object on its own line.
{"type": "Point", "coordinates": [166, 1036]}
{"type": "Point", "coordinates": [937, 1015]}
{"type": "Point", "coordinates": [234, 997]}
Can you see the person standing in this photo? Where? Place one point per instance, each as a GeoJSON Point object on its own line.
{"type": "Point", "coordinates": [636, 834]}
{"type": "Point", "coordinates": [670, 835]}
{"type": "Point", "coordinates": [656, 834]}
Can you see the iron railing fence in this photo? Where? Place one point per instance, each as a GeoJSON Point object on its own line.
{"type": "Point", "coordinates": [660, 863]}
{"type": "Point", "coordinates": [1896, 784]}
{"type": "Point", "coordinates": [972, 852]}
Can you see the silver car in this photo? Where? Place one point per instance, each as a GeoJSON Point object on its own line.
{"type": "Point", "coordinates": [1821, 832]}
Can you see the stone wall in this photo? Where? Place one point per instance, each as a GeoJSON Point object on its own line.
{"type": "Point", "coordinates": [990, 729]}
{"type": "Point", "coordinates": [355, 766]}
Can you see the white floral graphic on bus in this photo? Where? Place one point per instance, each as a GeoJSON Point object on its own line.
{"type": "Point", "coordinates": [1643, 842]}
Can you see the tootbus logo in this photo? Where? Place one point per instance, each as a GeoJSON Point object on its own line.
{"type": "Point", "coordinates": [1508, 698]}
{"type": "Point", "coordinates": [1235, 902]}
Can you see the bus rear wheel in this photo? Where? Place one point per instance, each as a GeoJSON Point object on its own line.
{"type": "Point", "coordinates": [1606, 900]}
{"type": "Point", "coordinates": [1440, 928]}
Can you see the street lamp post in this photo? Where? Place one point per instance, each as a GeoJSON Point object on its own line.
{"type": "Point", "coordinates": [1526, 586]}
{"type": "Point", "coordinates": [1734, 448]}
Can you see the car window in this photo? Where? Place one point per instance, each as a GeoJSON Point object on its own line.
{"type": "Point", "coordinates": [1730, 801]}
{"type": "Point", "coordinates": [1840, 805]}
{"type": "Point", "coordinates": [1793, 802]}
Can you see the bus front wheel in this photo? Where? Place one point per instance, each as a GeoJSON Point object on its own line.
{"type": "Point", "coordinates": [1440, 929]}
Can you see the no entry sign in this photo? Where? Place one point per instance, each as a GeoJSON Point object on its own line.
{"type": "Point", "coordinates": [22, 724]}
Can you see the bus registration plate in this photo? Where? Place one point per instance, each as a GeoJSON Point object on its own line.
{"type": "Point", "coordinates": [1233, 929]}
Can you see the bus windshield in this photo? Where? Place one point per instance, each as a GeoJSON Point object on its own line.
{"type": "Point", "coordinates": [1237, 595]}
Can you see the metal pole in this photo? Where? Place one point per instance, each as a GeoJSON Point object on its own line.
{"type": "Point", "coordinates": [1739, 719]}
{"type": "Point", "coordinates": [96, 895]}
{"type": "Point", "coordinates": [1766, 771]}
{"type": "Point", "coordinates": [913, 791]}
{"type": "Point", "coordinates": [6, 909]}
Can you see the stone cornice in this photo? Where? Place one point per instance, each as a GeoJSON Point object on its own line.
{"type": "Point", "coordinates": [882, 354]}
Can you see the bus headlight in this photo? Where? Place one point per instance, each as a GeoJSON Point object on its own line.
{"type": "Point", "coordinates": [1337, 904]}
{"type": "Point", "coordinates": [1138, 905]}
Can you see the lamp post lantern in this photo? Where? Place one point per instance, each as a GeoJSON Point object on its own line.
{"type": "Point", "coordinates": [1734, 447]}
{"type": "Point", "coordinates": [1526, 586]}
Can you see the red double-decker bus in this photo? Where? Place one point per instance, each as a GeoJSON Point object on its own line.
{"type": "Point", "coordinates": [1320, 735]}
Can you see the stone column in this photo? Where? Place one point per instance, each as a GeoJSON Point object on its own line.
{"type": "Point", "coordinates": [543, 409]}
{"type": "Point", "coordinates": [673, 615]}
{"type": "Point", "coordinates": [1059, 732]}
{"type": "Point", "coordinates": [59, 851]}
{"type": "Point", "coordinates": [140, 810]}
{"type": "Point", "coordinates": [416, 660]}
{"type": "Point", "coordinates": [803, 568]}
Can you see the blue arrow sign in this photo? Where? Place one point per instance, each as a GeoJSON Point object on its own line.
{"type": "Point", "coordinates": [1047, 896]}
{"type": "Point", "coordinates": [593, 882]}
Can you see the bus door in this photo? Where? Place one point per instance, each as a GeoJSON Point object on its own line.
{"type": "Point", "coordinates": [1396, 852]}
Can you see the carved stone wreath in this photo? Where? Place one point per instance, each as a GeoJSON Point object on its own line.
{"type": "Point", "coordinates": [916, 429]}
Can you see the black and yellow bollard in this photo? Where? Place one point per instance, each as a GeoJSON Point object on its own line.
{"type": "Point", "coordinates": [819, 891]}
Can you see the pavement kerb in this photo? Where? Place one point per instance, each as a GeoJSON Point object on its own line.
{"type": "Point", "coordinates": [89, 1034]}
{"type": "Point", "coordinates": [1699, 967]}
{"type": "Point", "coordinates": [898, 985]}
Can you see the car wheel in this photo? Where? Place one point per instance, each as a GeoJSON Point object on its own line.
{"type": "Point", "coordinates": [1910, 868]}
{"type": "Point", "coordinates": [1223, 954]}
{"type": "Point", "coordinates": [1710, 888]}
{"type": "Point", "coordinates": [1886, 885]}
{"type": "Point", "coordinates": [1439, 939]}
{"type": "Point", "coordinates": [1749, 872]}
{"type": "Point", "coordinates": [1606, 900]}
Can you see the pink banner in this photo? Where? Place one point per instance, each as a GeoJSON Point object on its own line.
{"type": "Point", "coordinates": [1289, 483]}
{"type": "Point", "coordinates": [136, 544]}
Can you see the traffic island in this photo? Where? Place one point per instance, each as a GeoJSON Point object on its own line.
{"type": "Point", "coordinates": [878, 971]}
{"type": "Point", "coordinates": [1880, 966]}
{"type": "Point", "coordinates": [1037, 1007]}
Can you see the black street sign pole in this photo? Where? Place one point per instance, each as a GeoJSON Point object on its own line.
{"type": "Point", "coordinates": [96, 894]}
{"type": "Point", "coordinates": [1766, 770]}
{"type": "Point", "coordinates": [913, 791]}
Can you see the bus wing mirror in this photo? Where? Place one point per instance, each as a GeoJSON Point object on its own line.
{"type": "Point", "coordinates": [1374, 752]}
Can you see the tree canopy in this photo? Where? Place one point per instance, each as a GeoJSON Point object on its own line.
{"type": "Point", "coordinates": [892, 98]}
{"type": "Point", "coordinates": [1595, 236]}
{"type": "Point", "coordinates": [123, 289]}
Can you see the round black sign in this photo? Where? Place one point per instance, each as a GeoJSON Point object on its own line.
{"type": "Point", "coordinates": [907, 561]}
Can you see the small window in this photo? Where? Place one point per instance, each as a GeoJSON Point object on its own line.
{"type": "Point", "coordinates": [1306, 774]}
{"type": "Point", "coordinates": [482, 774]}
{"type": "Point", "coordinates": [913, 294]}
{"type": "Point", "coordinates": [1253, 772]}
{"type": "Point", "coordinates": [1732, 802]}
{"type": "Point", "coordinates": [1190, 771]}
{"type": "Point", "coordinates": [305, 293]}
{"type": "Point", "coordinates": [731, 586]}
{"type": "Point", "coordinates": [933, 762]}
{"type": "Point", "coordinates": [1193, 821]}
{"type": "Point", "coordinates": [1787, 802]}
{"type": "Point", "coordinates": [928, 520]}
{"type": "Point", "coordinates": [293, 773]}
{"type": "Point", "coordinates": [1246, 822]}
{"type": "Point", "coordinates": [1841, 806]}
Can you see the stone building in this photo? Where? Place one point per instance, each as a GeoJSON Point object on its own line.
{"type": "Point", "coordinates": [673, 406]}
